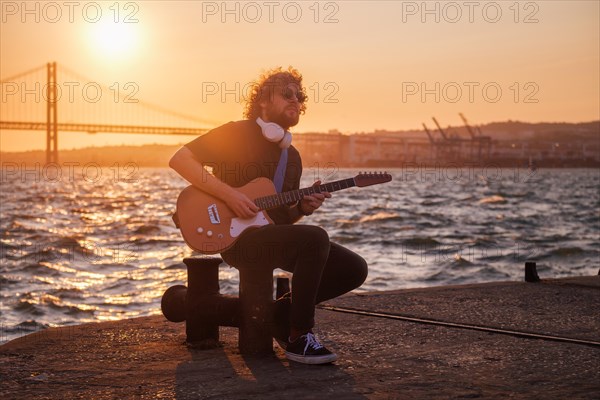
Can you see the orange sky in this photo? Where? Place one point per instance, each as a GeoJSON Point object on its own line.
{"type": "Point", "coordinates": [367, 65]}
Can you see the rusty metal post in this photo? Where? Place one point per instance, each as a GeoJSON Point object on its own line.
{"type": "Point", "coordinates": [531, 274]}
{"type": "Point", "coordinates": [256, 302]}
{"type": "Point", "coordinates": [203, 282]}
{"type": "Point", "coordinates": [172, 303]}
{"type": "Point", "coordinates": [204, 309]}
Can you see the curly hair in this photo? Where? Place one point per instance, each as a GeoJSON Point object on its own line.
{"type": "Point", "coordinates": [266, 83]}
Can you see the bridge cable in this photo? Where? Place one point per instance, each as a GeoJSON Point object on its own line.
{"type": "Point", "coordinates": [12, 78]}
{"type": "Point", "coordinates": [142, 103]}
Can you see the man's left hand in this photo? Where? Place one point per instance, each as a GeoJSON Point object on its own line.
{"type": "Point", "coordinates": [310, 203]}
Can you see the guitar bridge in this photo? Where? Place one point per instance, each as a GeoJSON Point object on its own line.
{"type": "Point", "coordinates": [213, 214]}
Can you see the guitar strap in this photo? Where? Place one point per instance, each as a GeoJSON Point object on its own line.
{"type": "Point", "coordinates": [280, 171]}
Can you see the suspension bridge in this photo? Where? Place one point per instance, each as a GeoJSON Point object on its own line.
{"type": "Point", "coordinates": [32, 99]}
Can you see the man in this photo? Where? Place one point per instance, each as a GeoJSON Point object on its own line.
{"type": "Point", "coordinates": [260, 146]}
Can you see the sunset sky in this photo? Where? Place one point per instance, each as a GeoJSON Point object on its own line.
{"type": "Point", "coordinates": [367, 64]}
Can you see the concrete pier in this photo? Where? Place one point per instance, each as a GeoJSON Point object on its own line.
{"type": "Point", "coordinates": [495, 340]}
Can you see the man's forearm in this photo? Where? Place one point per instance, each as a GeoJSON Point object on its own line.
{"type": "Point", "coordinates": [192, 170]}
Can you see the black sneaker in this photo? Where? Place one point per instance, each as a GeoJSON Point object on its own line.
{"type": "Point", "coordinates": [307, 350]}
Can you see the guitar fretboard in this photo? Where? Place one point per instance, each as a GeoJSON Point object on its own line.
{"type": "Point", "coordinates": [279, 199]}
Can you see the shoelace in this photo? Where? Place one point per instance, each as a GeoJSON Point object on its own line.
{"type": "Point", "coordinates": [311, 341]}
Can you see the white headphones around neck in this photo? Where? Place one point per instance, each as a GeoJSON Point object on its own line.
{"type": "Point", "coordinates": [275, 133]}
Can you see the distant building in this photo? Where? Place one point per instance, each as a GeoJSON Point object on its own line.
{"type": "Point", "coordinates": [567, 145]}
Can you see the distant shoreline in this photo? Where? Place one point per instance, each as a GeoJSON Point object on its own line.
{"type": "Point", "coordinates": [158, 156]}
{"type": "Point", "coordinates": [510, 144]}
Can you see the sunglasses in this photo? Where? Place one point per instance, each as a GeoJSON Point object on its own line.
{"type": "Point", "coordinates": [289, 94]}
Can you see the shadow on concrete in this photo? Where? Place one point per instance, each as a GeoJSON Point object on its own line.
{"type": "Point", "coordinates": [223, 373]}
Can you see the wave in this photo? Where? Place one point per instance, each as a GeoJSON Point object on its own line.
{"type": "Point", "coordinates": [176, 266]}
{"type": "Point", "coordinates": [146, 229]}
{"type": "Point", "coordinates": [380, 217]}
{"type": "Point", "coordinates": [344, 238]}
{"type": "Point", "coordinates": [428, 203]}
{"type": "Point", "coordinates": [30, 325]}
{"type": "Point", "coordinates": [71, 310]}
{"type": "Point", "coordinates": [458, 260]}
{"type": "Point", "coordinates": [495, 199]}
{"type": "Point", "coordinates": [567, 251]}
{"type": "Point", "coordinates": [8, 280]}
{"type": "Point", "coordinates": [440, 276]}
{"type": "Point", "coordinates": [379, 282]}
{"type": "Point", "coordinates": [67, 293]}
{"type": "Point", "coordinates": [490, 272]}
{"type": "Point", "coordinates": [40, 268]}
{"type": "Point", "coordinates": [524, 195]}
{"type": "Point", "coordinates": [420, 242]}
{"type": "Point", "coordinates": [143, 241]}
{"type": "Point", "coordinates": [29, 307]}
{"type": "Point", "coordinates": [345, 223]}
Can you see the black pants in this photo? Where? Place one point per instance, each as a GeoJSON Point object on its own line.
{"type": "Point", "coordinates": [321, 269]}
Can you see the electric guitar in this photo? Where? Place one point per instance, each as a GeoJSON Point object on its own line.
{"type": "Point", "coordinates": [209, 226]}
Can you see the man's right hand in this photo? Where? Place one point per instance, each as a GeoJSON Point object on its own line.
{"type": "Point", "coordinates": [241, 205]}
{"type": "Point", "coordinates": [194, 172]}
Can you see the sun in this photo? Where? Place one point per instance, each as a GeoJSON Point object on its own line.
{"type": "Point", "coordinates": [114, 39]}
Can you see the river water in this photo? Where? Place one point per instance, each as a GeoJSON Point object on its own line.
{"type": "Point", "coordinates": [89, 244]}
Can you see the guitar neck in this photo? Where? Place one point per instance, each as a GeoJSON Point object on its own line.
{"type": "Point", "coordinates": [279, 199]}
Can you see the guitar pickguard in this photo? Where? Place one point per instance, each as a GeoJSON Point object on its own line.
{"type": "Point", "coordinates": [239, 225]}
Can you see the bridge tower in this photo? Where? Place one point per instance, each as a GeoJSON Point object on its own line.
{"type": "Point", "coordinates": [51, 116]}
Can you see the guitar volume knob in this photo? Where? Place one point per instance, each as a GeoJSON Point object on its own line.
{"type": "Point", "coordinates": [209, 233]}
{"type": "Point", "coordinates": [199, 230]}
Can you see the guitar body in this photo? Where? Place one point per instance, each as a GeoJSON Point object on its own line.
{"type": "Point", "coordinates": [209, 226]}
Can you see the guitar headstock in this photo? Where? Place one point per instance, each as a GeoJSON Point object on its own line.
{"type": "Point", "coordinates": [371, 178]}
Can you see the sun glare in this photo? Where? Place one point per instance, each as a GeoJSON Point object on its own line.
{"type": "Point", "coordinates": [114, 39]}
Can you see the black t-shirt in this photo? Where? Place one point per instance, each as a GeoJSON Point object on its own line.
{"type": "Point", "coordinates": [237, 152]}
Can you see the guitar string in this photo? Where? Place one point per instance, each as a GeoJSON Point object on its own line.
{"type": "Point", "coordinates": [276, 200]}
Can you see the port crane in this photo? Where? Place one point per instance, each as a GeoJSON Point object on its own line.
{"type": "Point", "coordinates": [482, 141]}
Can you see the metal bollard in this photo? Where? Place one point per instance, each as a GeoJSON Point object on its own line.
{"type": "Point", "coordinates": [531, 274]}
{"type": "Point", "coordinates": [172, 303]}
{"type": "Point", "coordinates": [204, 309]}
{"type": "Point", "coordinates": [256, 301]}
